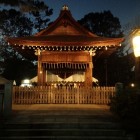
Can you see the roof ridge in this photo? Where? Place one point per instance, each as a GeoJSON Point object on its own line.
{"type": "Point", "coordinates": [64, 16]}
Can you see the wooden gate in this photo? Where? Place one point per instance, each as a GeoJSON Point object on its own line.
{"type": "Point", "coordinates": [48, 95]}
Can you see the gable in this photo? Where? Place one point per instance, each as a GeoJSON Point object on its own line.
{"type": "Point", "coordinates": [65, 30]}
{"type": "Point", "coordinates": [65, 24]}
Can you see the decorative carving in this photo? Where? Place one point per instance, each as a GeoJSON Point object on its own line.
{"type": "Point", "coordinates": [65, 22]}
{"type": "Point", "coordinates": [65, 7]}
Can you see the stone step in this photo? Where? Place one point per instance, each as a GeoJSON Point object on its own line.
{"type": "Point", "coordinates": [59, 120]}
{"type": "Point", "coordinates": [67, 138]}
{"type": "Point", "coordinates": [62, 118]}
{"type": "Point", "coordinates": [60, 125]}
{"type": "Point", "coordinates": [67, 116]}
{"type": "Point", "coordinates": [61, 132]}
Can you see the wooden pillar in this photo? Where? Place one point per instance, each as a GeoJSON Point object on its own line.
{"type": "Point", "coordinates": [40, 71]}
{"type": "Point", "coordinates": [44, 76]}
{"type": "Point", "coordinates": [88, 73]}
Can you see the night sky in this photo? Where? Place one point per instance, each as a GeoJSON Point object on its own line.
{"type": "Point", "coordinates": [125, 10]}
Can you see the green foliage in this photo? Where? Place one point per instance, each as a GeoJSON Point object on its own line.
{"type": "Point", "coordinates": [18, 69]}
{"type": "Point", "coordinates": [24, 20]}
{"type": "Point", "coordinates": [26, 5]}
{"type": "Point", "coordinates": [102, 24]}
{"type": "Point", "coordinates": [10, 2]}
{"type": "Point", "coordinates": [120, 69]}
{"type": "Point", "coordinates": [13, 23]}
{"type": "Point", "coordinates": [115, 68]}
{"type": "Point", "coordinates": [108, 69]}
{"type": "Point", "coordinates": [126, 106]}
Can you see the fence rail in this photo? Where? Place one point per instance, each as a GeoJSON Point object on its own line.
{"type": "Point", "coordinates": [48, 95]}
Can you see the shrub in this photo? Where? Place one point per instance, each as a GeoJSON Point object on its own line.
{"type": "Point", "coordinates": [126, 106]}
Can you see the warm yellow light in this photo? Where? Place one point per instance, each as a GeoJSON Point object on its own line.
{"type": "Point", "coordinates": [136, 46]}
{"type": "Point", "coordinates": [132, 85]}
{"type": "Point", "coordinates": [26, 81]}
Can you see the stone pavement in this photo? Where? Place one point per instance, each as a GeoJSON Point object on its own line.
{"type": "Point", "coordinates": [47, 112]}
{"type": "Point", "coordinates": [55, 107]}
{"type": "Point", "coordinates": [66, 109]}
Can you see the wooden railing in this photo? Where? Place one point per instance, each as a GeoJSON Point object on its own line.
{"type": "Point", "coordinates": [48, 95]}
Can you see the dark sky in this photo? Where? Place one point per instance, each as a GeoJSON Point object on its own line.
{"type": "Point", "coordinates": [125, 10]}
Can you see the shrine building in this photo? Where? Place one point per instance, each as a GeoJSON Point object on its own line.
{"type": "Point", "coordinates": [64, 48]}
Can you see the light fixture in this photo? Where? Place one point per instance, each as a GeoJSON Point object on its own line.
{"type": "Point", "coordinates": [136, 45]}
{"type": "Point", "coordinates": [136, 49]}
{"type": "Point", "coordinates": [132, 85]}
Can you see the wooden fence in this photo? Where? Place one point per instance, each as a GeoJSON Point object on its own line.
{"type": "Point", "coordinates": [48, 95]}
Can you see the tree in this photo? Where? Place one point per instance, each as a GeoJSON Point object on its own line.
{"type": "Point", "coordinates": [12, 23]}
{"type": "Point", "coordinates": [15, 23]}
{"type": "Point", "coordinates": [38, 11]}
{"type": "Point", "coordinates": [41, 17]}
{"type": "Point", "coordinates": [128, 29]}
{"type": "Point", "coordinates": [26, 5]}
{"type": "Point", "coordinates": [102, 24]}
{"type": "Point", "coordinates": [10, 2]}
{"type": "Point", "coordinates": [106, 25]}
{"type": "Point", "coordinates": [18, 69]}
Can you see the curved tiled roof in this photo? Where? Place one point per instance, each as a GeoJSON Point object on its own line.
{"type": "Point", "coordinates": [64, 31]}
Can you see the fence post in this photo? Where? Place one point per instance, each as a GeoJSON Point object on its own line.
{"type": "Point", "coordinates": [119, 88]}
{"type": "Point", "coordinates": [1, 98]}
{"type": "Point", "coordinates": [8, 99]}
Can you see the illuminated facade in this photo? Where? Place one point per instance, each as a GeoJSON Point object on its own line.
{"type": "Point", "coordinates": [64, 48]}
